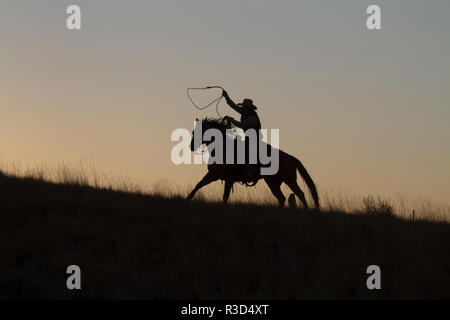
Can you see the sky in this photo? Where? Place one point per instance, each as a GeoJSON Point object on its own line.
{"type": "Point", "coordinates": [365, 111]}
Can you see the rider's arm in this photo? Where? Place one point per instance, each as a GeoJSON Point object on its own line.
{"type": "Point", "coordinates": [231, 103]}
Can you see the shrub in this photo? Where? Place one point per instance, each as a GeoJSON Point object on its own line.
{"type": "Point", "coordinates": [377, 206]}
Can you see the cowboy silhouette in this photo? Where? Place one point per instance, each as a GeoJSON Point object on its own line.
{"type": "Point", "coordinates": [247, 110]}
{"type": "Point", "coordinates": [249, 120]}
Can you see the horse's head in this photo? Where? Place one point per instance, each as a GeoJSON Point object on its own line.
{"type": "Point", "coordinates": [203, 125]}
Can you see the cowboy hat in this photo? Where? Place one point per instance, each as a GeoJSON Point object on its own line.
{"type": "Point", "coordinates": [247, 103]}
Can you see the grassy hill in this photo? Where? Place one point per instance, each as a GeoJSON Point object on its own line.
{"type": "Point", "coordinates": [140, 246]}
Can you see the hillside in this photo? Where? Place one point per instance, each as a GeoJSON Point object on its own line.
{"type": "Point", "coordinates": [140, 246]}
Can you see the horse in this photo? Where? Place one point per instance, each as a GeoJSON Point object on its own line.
{"type": "Point", "coordinates": [233, 173]}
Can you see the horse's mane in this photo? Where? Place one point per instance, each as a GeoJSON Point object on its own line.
{"type": "Point", "coordinates": [214, 123]}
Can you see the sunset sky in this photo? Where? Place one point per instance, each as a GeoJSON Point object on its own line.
{"type": "Point", "coordinates": [365, 111]}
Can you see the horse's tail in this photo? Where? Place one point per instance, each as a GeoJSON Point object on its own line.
{"type": "Point", "coordinates": [309, 182]}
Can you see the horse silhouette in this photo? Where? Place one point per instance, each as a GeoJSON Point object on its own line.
{"type": "Point", "coordinates": [232, 173]}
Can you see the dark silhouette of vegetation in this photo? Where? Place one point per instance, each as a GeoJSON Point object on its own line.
{"type": "Point", "coordinates": [139, 246]}
{"type": "Point", "coordinates": [377, 206]}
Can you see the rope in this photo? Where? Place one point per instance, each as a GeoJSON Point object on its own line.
{"type": "Point", "coordinates": [216, 101]}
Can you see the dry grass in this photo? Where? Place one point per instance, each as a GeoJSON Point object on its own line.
{"type": "Point", "coordinates": [87, 174]}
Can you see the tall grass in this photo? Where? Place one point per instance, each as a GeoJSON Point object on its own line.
{"type": "Point", "coordinates": [87, 174]}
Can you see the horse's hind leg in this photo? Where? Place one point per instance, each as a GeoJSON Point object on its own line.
{"type": "Point", "coordinates": [207, 179]}
{"type": "Point", "coordinates": [298, 192]}
{"type": "Point", "coordinates": [275, 187]}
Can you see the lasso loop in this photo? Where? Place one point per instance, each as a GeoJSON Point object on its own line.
{"type": "Point", "coordinates": [216, 101]}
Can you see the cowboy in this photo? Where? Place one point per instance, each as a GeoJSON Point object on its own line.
{"type": "Point", "coordinates": [247, 110]}
{"type": "Point", "coordinates": [249, 120]}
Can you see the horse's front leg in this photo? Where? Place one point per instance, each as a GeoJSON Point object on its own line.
{"type": "Point", "coordinates": [207, 179]}
{"type": "Point", "coordinates": [227, 190]}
